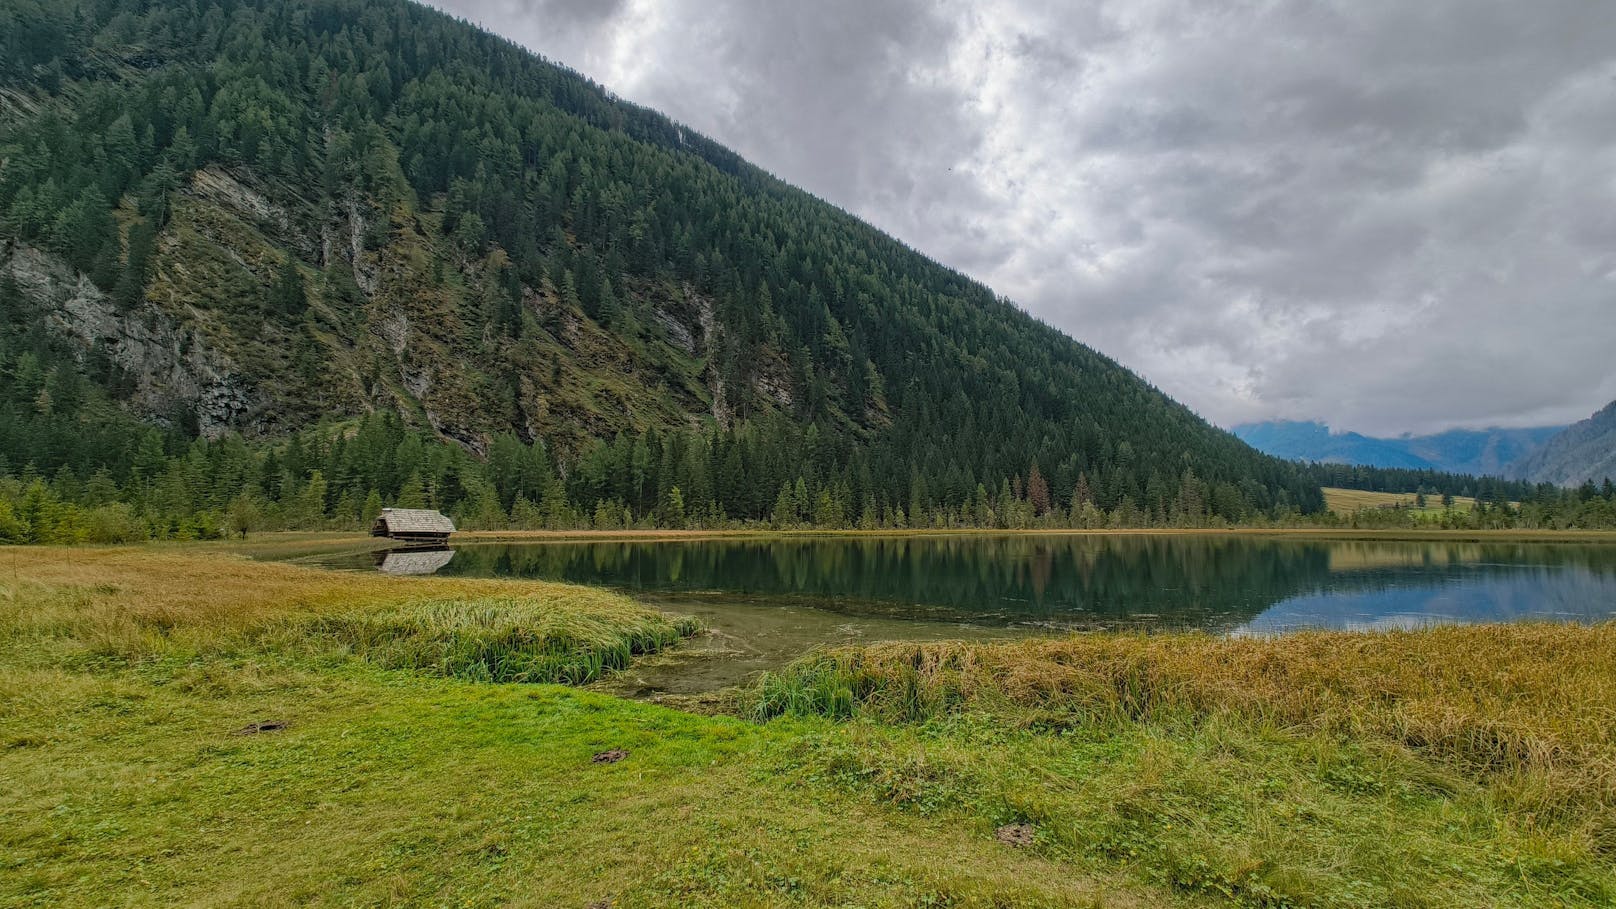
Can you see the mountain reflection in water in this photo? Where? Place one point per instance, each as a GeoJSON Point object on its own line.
{"type": "Point", "coordinates": [1214, 582]}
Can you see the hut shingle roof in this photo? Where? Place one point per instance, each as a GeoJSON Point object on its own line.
{"type": "Point", "coordinates": [415, 520]}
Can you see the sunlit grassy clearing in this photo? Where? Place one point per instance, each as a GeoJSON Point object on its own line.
{"type": "Point", "coordinates": [1347, 501]}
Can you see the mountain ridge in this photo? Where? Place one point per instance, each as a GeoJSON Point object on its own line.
{"type": "Point", "coordinates": [1478, 452]}
{"type": "Point", "coordinates": [1584, 453]}
{"type": "Point", "coordinates": [251, 216]}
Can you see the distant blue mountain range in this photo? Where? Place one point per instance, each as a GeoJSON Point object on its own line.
{"type": "Point", "coordinates": [1483, 452]}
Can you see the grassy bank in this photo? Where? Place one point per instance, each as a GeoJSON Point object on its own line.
{"type": "Point", "coordinates": [1451, 766]}
{"type": "Point", "coordinates": [1528, 706]}
{"type": "Point", "coordinates": [82, 607]}
{"type": "Point", "coordinates": [136, 766]}
{"type": "Point", "coordinates": [1457, 767]}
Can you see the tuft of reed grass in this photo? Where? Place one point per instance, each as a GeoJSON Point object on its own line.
{"type": "Point", "coordinates": [1531, 704]}
{"type": "Point", "coordinates": [131, 604]}
{"type": "Point", "coordinates": [498, 639]}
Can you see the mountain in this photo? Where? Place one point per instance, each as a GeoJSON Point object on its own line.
{"type": "Point", "coordinates": [1309, 441]}
{"type": "Point", "coordinates": [1480, 452]}
{"type": "Point", "coordinates": [1477, 452]}
{"type": "Point", "coordinates": [245, 218]}
{"type": "Point", "coordinates": [1584, 452]}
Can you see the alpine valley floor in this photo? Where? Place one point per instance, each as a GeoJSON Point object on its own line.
{"type": "Point", "coordinates": [182, 725]}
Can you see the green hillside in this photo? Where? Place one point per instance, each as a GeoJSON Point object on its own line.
{"type": "Point", "coordinates": [240, 219]}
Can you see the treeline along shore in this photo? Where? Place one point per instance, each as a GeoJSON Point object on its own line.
{"type": "Point", "coordinates": [124, 483]}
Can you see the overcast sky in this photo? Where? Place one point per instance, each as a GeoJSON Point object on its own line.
{"type": "Point", "coordinates": [1391, 216]}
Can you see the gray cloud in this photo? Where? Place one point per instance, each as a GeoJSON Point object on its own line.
{"type": "Point", "coordinates": [1390, 216]}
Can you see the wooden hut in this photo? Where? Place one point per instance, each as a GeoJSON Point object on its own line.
{"type": "Point", "coordinates": [412, 525]}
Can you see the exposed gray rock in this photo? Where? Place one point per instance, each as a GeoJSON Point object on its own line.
{"type": "Point", "coordinates": [15, 104]}
{"type": "Point", "coordinates": [773, 384]}
{"type": "Point", "coordinates": [417, 379]}
{"type": "Point", "coordinates": [687, 319]}
{"type": "Point", "coordinates": [364, 270]}
{"type": "Point", "coordinates": [707, 318]}
{"type": "Point", "coordinates": [214, 185]}
{"type": "Point", "coordinates": [678, 334]}
{"type": "Point", "coordinates": [170, 363]}
{"type": "Point", "coordinates": [395, 330]}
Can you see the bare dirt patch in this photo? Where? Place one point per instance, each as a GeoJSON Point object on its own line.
{"type": "Point", "coordinates": [1017, 835]}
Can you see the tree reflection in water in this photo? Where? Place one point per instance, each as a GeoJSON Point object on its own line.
{"type": "Point", "coordinates": [1213, 582]}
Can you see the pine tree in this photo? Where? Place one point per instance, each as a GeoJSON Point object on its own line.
{"type": "Point", "coordinates": [289, 296]}
{"type": "Point", "coordinates": [307, 511]}
{"type": "Point", "coordinates": [85, 234]}
{"type": "Point", "coordinates": [12, 528]}
{"type": "Point", "coordinates": [1037, 491]}
{"type": "Point", "coordinates": [131, 285]}
{"type": "Point", "coordinates": [981, 508]}
{"type": "Point", "coordinates": [785, 507]}
{"type": "Point", "coordinates": [371, 509]}
{"type": "Point", "coordinates": [413, 493]}
{"type": "Point", "coordinates": [673, 511]}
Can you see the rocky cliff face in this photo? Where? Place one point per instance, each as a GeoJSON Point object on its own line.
{"type": "Point", "coordinates": [389, 324]}
{"type": "Point", "coordinates": [1584, 452]}
{"type": "Point", "coordinates": [173, 369]}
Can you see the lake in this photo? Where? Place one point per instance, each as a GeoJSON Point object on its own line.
{"type": "Point", "coordinates": [770, 599]}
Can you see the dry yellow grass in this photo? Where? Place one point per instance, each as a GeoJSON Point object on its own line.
{"type": "Point", "coordinates": [135, 601]}
{"type": "Point", "coordinates": [1346, 501]}
{"type": "Point", "coordinates": [1533, 705]}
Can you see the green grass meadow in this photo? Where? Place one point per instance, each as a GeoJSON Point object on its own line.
{"type": "Point", "coordinates": [425, 757]}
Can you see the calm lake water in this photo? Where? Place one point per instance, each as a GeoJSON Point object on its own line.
{"type": "Point", "coordinates": [769, 600]}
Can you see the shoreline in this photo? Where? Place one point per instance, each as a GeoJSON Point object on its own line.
{"type": "Point", "coordinates": [653, 535]}
{"type": "Point", "coordinates": [1321, 533]}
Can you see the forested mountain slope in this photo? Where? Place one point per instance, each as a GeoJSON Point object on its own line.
{"type": "Point", "coordinates": [239, 219]}
{"type": "Point", "coordinates": [1584, 453]}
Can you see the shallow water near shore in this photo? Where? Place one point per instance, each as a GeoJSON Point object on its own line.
{"type": "Point", "coordinates": [766, 600]}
